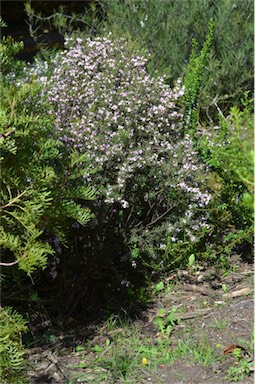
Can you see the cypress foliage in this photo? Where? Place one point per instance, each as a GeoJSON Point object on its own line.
{"type": "Point", "coordinates": [42, 193]}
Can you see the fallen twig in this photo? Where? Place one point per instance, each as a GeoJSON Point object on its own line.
{"type": "Point", "coordinates": [191, 315]}
{"type": "Point", "coordinates": [195, 288]}
{"type": "Point", "coordinates": [240, 292]}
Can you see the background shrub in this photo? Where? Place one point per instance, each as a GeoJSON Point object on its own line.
{"type": "Point", "coordinates": [166, 29]}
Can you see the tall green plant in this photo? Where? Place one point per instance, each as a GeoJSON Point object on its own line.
{"type": "Point", "coordinates": [228, 152]}
{"type": "Point", "coordinates": [193, 81]}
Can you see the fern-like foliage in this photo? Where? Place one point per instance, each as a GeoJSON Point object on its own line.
{"type": "Point", "coordinates": [12, 325]}
{"type": "Point", "coordinates": [193, 80]}
{"type": "Point", "coordinates": [43, 187]}
{"type": "Point", "coordinates": [43, 190]}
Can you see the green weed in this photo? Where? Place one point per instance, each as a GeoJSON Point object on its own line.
{"type": "Point", "coordinates": [241, 368]}
{"type": "Point", "coordinates": [165, 322]}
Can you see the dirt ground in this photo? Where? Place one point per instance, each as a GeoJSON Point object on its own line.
{"type": "Point", "coordinates": [239, 317]}
{"type": "Point", "coordinates": [224, 315]}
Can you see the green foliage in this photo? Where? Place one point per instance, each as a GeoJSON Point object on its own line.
{"type": "Point", "coordinates": [42, 193]}
{"type": "Point", "coordinates": [193, 81]}
{"type": "Point", "coordinates": [241, 368]}
{"type": "Point", "coordinates": [40, 182]}
{"type": "Point", "coordinates": [36, 193]}
{"type": "Point", "coordinates": [228, 151]}
{"type": "Point", "coordinates": [233, 150]}
{"type": "Point", "coordinates": [192, 259]}
{"type": "Point", "coordinates": [11, 350]}
{"type": "Point", "coordinates": [165, 322]}
{"type": "Point", "coordinates": [8, 49]}
{"type": "Point", "coordinates": [166, 29]}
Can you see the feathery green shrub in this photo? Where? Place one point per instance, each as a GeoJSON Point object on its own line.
{"type": "Point", "coordinates": [194, 81]}
{"type": "Point", "coordinates": [41, 184]}
{"type": "Point", "coordinates": [43, 192]}
{"type": "Point", "coordinates": [12, 325]}
{"type": "Point", "coordinates": [229, 153]}
{"type": "Point", "coordinates": [227, 149]}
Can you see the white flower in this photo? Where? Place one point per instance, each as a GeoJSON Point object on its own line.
{"type": "Point", "coordinates": [124, 204]}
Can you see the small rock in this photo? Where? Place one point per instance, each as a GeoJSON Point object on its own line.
{"type": "Point", "coordinates": [200, 278]}
{"type": "Point", "coordinates": [56, 376]}
{"type": "Point", "coordinates": [182, 273]}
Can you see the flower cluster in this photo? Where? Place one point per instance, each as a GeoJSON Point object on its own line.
{"type": "Point", "coordinates": [109, 107]}
{"type": "Point", "coordinates": [130, 128]}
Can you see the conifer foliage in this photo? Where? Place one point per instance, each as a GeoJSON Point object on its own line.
{"type": "Point", "coordinates": [42, 193]}
{"type": "Point", "coordinates": [40, 181]}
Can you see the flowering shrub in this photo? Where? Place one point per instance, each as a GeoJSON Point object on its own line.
{"type": "Point", "coordinates": [130, 128]}
{"type": "Point", "coordinates": [106, 103]}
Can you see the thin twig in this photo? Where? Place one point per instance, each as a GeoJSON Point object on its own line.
{"type": "Point", "coordinates": [12, 108]}
{"type": "Point", "coordinates": [161, 216]}
{"type": "Point", "coordinates": [129, 217]}
{"type": "Point", "coordinates": [148, 213]}
{"type": "Point", "coordinates": [4, 135]}
{"type": "Point", "coordinates": [13, 200]}
{"type": "Point", "coordinates": [8, 264]}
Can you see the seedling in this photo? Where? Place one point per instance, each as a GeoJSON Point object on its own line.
{"type": "Point", "coordinates": [241, 368]}
{"type": "Point", "coordinates": [79, 348]}
{"type": "Point", "coordinates": [193, 266]}
{"type": "Point", "coordinates": [192, 260]}
{"type": "Point", "coordinates": [158, 287]}
{"type": "Point", "coordinates": [165, 323]}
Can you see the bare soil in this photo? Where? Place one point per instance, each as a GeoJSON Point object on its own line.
{"type": "Point", "coordinates": [224, 316]}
